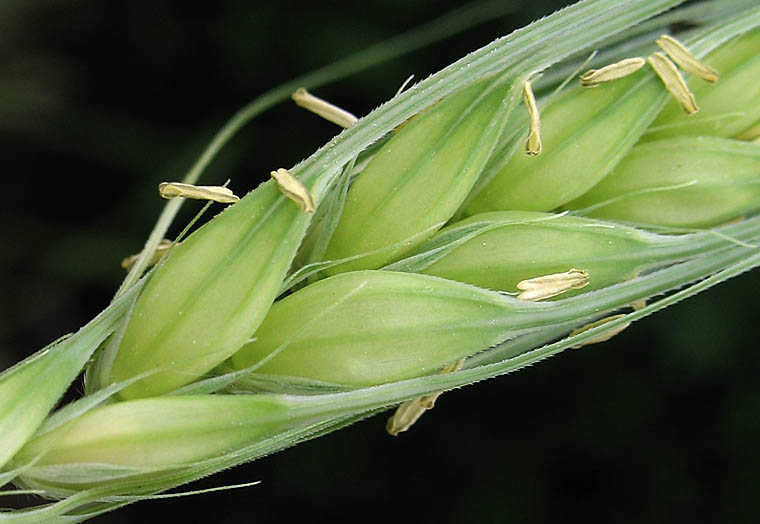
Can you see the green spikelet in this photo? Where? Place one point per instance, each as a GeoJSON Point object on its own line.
{"type": "Point", "coordinates": [498, 250]}
{"type": "Point", "coordinates": [585, 132]}
{"type": "Point", "coordinates": [681, 182]}
{"type": "Point", "coordinates": [430, 166]}
{"type": "Point", "coordinates": [210, 296]}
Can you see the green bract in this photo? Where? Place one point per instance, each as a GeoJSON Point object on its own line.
{"type": "Point", "coordinates": [499, 249]}
{"type": "Point", "coordinates": [680, 182]}
{"type": "Point", "coordinates": [726, 108]}
{"type": "Point", "coordinates": [29, 391]}
{"type": "Point", "coordinates": [371, 327]}
{"type": "Point", "coordinates": [208, 298]}
{"type": "Point", "coordinates": [137, 438]}
{"type": "Point", "coordinates": [585, 132]}
{"type": "Point", "coordinates": [31, 388]}
{"type": "Point", "coordinates": [419, 178]}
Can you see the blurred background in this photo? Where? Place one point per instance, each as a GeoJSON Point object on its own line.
{"type": "Point", "coordinates": [101, 101]}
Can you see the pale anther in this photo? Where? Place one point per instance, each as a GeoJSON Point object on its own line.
{"type": "Point", "coordinates": [219, 194]}
{"type": "Point", "coordinates": [294, 190]}
{"type": "Point", "coordinates": [162, 248]}
{"type": "Point", "coordinates": [639, 304]}
{"type": "Point", "coordinates": [533, 143]}
{"type": "Point", "coordinates": [428, 401]}
{"type": "Point", "coordinates": [685, 60]}
{"type": "Point", "coordinates": [594, 77]}
{"type": "Point", "coordinates": [323, 108]}
{"type": "Point", "coordinates": [674, 82]}
{"type": "Point", "coordinates": [548, 286]}
{"type": "Point", "coordinates": [601, 337]}
{"type": "Point", "coordinates": [410, 411]}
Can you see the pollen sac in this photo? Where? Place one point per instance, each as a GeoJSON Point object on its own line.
{"type": "Point", "coordinates": [547, 286]}
{"type": "Point", "coordinates": [209, 296]}
{"type": "Point", "coordinates": [726, 108]}
{"type": "Point", "coordinates": [673, 82]}
{"type": "Point", "coordinates": [685, 60]}
{"type": "Point", "coordinates": [415, 183]}
{"type": "Point", "coordinates": [501, 249]}
{"type": "Point", "coordinates": [294, 190]}
{"type": "Point", "coordinates": [223, 195]}
{"type": "Point", "coordinates": [533, 142]}
{"type": "Point", "coordinates": [323, 108]}
{"type": "Point", "coordinates": [585, 132]}
{"type": "Point", "coordinates": [603, 336]}
{"type": "Point", "coordinates": [409, 412]}
{"type": "Point", "coordinates": [680, 182]}
{"type": "Point", "coordinates": [611, 72]}
{"type": "Point", "coordinates": [163, 247]}
{"type": "Point", "coordinates": [365, 328]}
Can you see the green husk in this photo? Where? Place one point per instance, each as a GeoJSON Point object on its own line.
{"type": "Point", "coordinates": [209, 296]}
{"type": "Point", "coordinates": [430, 164]}
{"type": "Point", "coordinates": [585, 132]}
{"type": "Point", "coordinates": [370, 327]}
{"type": "Point", "coordinates": [31, 388]}
{"type": "Point", "coordinates": [498, 250]}
{"type": "Point", "coordinates": [680, 182]}
{"type": "Point", "coordinates": [135, 437]}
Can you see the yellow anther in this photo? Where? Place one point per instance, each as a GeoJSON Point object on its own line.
{"type": "Point", "coordinates": [548, 286]}
{"type": "Point", "coordinates": [639, 304]}
{"type": "Point", "coordinates": [323, 108]}
{"type": "Point", "coordinates": [601, 337]}
{"type": "Point", "coordinates": [294, 190]}
{"type": "Point", "coordinates": [594, 77]}
{"type": "Point", "coordinates": [162, 248]}
{"type": "Point", "coordinates": [410, 411]}
{"type": "Point", "coordinates": [533, 143]}
{"type": "Point", "coordinates": [674, 82]}
{"type": "Point", "coordinates": [219, 194]}
{"type": "Point", "coordinates": [685, 60]}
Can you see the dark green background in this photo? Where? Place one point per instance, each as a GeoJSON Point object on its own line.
{"type": "Point", "coordinates": [101, 101]}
